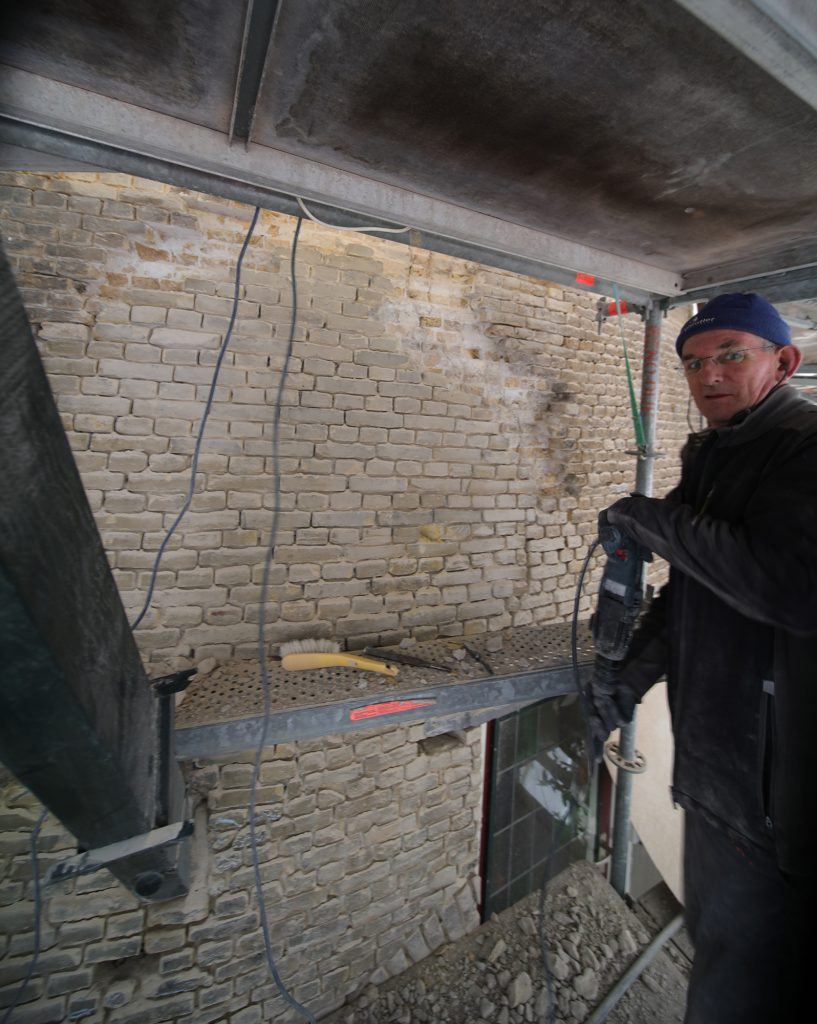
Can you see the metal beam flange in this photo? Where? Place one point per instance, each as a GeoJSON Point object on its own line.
{"type": "Point", "coordinates": [259, 28]}
{"type": "Point", "coordinates": [781, 38]}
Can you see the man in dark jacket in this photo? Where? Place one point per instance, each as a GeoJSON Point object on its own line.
{"type": "Point", "coordinates": [735, 633]}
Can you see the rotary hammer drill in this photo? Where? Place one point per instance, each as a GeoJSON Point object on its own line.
{"type": "Point", "coordinates": [620, 598]}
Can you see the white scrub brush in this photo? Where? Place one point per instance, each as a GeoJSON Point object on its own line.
{"type": "Point", "coordinates": [301, 655]}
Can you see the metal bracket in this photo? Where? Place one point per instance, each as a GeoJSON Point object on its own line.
{"type": "Point", "coordinates": [164, 686]}
{"type": "Point", "coordinates": [606, 309]}
{"type": "Point", "coordinates": [167, 781]}
{"type": "Point", "coordinates": [644, 453]}
{"type": "Point", "coordinates": [92, 860]}
{"type": "Point", "coordinates": [637, 766]}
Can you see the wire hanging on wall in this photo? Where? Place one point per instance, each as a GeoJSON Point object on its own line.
{"type": "Point", "coordinates": [262, 652]}
{"type": "Point", "coordinates": [202, 424]}
{"type": "Point", "coordinates": [35, 873]}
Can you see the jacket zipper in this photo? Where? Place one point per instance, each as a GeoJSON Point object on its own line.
{"type": "Point", "coordinates": [767, 763]}
{"type": "Point", "coordinates": [702, 510]}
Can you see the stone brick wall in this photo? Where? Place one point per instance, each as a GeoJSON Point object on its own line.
{"type": "Point", "coordinates": [369, 850]}
{"type": "Point", "coordinates": [448, 431]}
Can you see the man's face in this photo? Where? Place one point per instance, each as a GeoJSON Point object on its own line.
{"type": "Point", "coordinates": [721, 390]}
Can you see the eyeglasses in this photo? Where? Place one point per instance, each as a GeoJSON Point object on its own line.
{"type": "Point", "coordinates": [734, 357]}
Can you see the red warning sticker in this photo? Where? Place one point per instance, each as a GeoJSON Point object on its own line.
{"type": "Point", "coordinates": [585, 279]}
{"type": "Point", "coordinates": [388, 707]}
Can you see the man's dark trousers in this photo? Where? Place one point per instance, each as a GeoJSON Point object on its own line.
{"type": "Point", "coordinates": [753, 930]}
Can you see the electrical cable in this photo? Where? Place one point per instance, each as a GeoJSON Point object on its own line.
{"type": "Point", "coordinates": [270, 550]}
{"type": "Point", "coordinates": [202, 424]}
{"type": "Point", "coordinates": [262, 654]}
{"type": "Point", "coordinates": [584, 699]}
{"type": "Point", "coordinates": [584, 696]}
{"type": "Point", "coordinates": [267, 565]}
{"type": "Point", "coordinates": [211, 394]}
{"type": "Point", "coordinates": [303, 1011]}
{"type": "Point", "coordinates": [342, 227]}
{"type": "Point", "coordinates": [35, 872]}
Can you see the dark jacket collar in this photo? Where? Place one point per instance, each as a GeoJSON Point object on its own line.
{"type": "Point", "coordinates": [775, 407]}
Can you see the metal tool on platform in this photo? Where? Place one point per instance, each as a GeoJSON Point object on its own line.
{"type": "Point", "coordinates": [479, 658]}
{"type": "Point", "coordinates": [404, 659]}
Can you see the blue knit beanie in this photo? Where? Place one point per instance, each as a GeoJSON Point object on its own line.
{"type": "Point", "coordinates": [737, 311]}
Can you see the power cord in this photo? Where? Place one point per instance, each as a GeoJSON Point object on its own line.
{"type": "Point", "coordinates": [40, 820]}
{"type": "Point", "coordinates": [262, 653]}
{"type": "Point", "coordinates": [584, 695]}
{"type": "Point", "coordinates": [211, 394]}
{"type": "Point", "coordinates": [264, 592]}
{"type": "Point", "coordinates": [36, 831]}
{"type": "Point", "coordinates": [35, 873]}
{"type": "Point", "coordinates": [202, 424]}
{"type": "Point", "coordinates": [341, 227]}
{"type": "Point", "coordinates": [584, 698]}
{"type": "Point", "coordinates": [265, 585]}
{"type": "Point", "coordinates": [270, 549]}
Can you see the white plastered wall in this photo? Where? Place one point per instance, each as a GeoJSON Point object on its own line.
{"type": "Point", "coordinates": [658, 822]}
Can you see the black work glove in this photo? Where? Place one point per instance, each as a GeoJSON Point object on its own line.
{"type": "Point", "coordinates": [611, 705]}
{"type": "Point", "coordinates": [612, 515]}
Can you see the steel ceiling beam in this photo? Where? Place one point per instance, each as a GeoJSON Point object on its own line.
{"type": "Point", "coordinates": [780, 36]}
{"type": "Point", "coordinates": [794, 257]}
{"type": "Point", "coordinates": [78, 719]}
{"type": "Point", "coordinates": [99, 157]}
{"type": "Point", "coordinates": [259, 27]}
{"type": "Point", "coordinates": [786, 286]}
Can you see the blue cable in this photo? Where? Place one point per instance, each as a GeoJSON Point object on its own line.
{"type": "Point", "coordinates": [262, 653]}
{"type": "Point", "coordinates": [267, 566]}
{"type": "Point", "coordinates": [584, 698]}
{"type": "Point", "coordinates": [205, 415]}
{"type": "Point", "coordinates": [35, 871]}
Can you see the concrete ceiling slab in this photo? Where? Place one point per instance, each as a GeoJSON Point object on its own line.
{"type": "Point", "coordinates": [630, 125]}
{"type": "Point", "coordinates": [643, 129]}
{"type": "Point", "coordinates": [779, 35]}
{"type": "Point", "coordinates": [179, 57]}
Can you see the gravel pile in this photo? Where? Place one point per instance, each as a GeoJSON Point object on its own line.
{"type": "Point", "coordinates": [495, 975]}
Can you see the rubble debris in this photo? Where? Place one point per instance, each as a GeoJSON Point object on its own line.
{"type": "Point", "coordinates": [495, 975]}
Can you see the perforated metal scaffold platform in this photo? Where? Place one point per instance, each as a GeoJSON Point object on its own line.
{"type": "Point", "coordinates": [223, 712]}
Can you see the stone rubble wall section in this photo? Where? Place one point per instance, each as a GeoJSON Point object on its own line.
{"type": "Point", "coordinates": [369, 853]}
{"type": "Point", "coordinates": [496, 974]}
{"type": "Point", "coordinates": [449, 431]}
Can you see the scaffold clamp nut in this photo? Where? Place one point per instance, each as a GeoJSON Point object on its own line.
{"type": "Point", "coordinates": [643, 452]}
{"type": "Point", "coordinates": [636, 766]}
